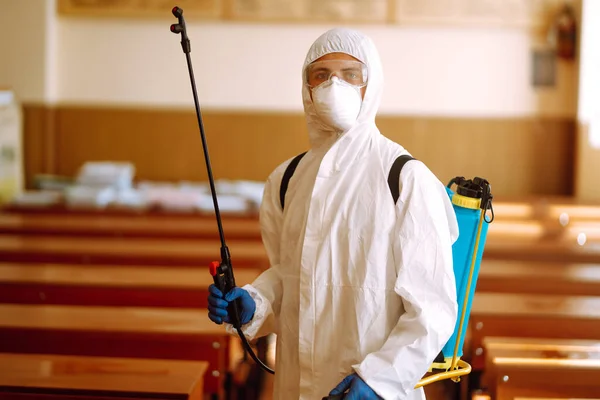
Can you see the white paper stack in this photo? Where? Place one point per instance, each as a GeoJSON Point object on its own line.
{"type": "Point", "coordinates": [100, 184]}
{"type": "Point", "coordinates": [175, 200]}
{"type": "Point", "coordinates": [229, 204]}
{"type": "Point", "coordinates": [233, 196]}
{"type": "Point", "coordinates": [89, 197]}
{"type": "Point", "coordinates": [251, 190]}
{"type": "Point", "coordinates": [132, 199]}
{"type": "Point", "coordinates": [106, 174]}
{"type": "Point", "coordinates": [41, 199]}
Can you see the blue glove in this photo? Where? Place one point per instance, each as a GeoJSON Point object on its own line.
{"type": "Point", "coordinates": [357, 389]}
{"type": "Point", "coordinates": [217, 305]}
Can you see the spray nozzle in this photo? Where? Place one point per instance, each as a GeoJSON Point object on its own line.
{"type": "Point", "coordinates": [476, 188]}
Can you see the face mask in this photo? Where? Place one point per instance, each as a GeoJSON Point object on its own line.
{"type": "Point", "coordinates": [337, 103]}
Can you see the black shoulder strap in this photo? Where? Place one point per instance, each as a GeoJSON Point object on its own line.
{"type": "Point", "coordinates": [394, 175]}
{"type": "Point", "coordinates": [289, 171]}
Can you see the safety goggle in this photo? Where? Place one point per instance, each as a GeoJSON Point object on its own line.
{"type": "Point", "coordinates": [352, 72]}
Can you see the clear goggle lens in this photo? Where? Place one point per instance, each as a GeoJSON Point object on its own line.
{"type": "Point", "coordinates": [352, 72]}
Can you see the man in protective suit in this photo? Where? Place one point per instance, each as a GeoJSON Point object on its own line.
{"type": "Point", "coordinates": [361, 291]}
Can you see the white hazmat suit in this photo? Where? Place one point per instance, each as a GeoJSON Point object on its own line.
{"type": "Point", "coordinates": [356, 283]}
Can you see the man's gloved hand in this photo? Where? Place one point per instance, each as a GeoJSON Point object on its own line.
{"type": "Point", "coordinates": [217, 305]}
{"type": "Point", "coordinates": [357, 389]}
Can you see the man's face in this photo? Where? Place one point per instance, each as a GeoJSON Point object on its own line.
{"type": "Point", "coordinates": [350, 72]}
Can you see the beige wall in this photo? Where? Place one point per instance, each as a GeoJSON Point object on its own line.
{"type": "Point", "coordinates": [435, 71]}
{"type": "Point", "coordinates": [28, 49]}
{"type": "Point", "coordinates": [428, 71]}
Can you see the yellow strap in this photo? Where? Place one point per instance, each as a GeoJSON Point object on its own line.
{"type": "Point", "coordinates": [466, 300]}
{"type": "Point", "coordinates": [464, 369]}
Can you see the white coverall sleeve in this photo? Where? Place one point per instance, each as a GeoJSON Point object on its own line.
{"type": "Point", "coordinates": [266, 290]}
{"type": "Point", "coordinates": [425, 231]}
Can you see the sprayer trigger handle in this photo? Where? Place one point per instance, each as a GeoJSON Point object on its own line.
{"type": "Point", "coordinates": [214, 268]}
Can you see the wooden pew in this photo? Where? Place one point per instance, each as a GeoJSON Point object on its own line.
{"type": "Point", "coordinates": [85, 250]}
{"type": "Point", "coordinates": [202, 227]}
{"type": "Point", "coordinates": [134, 226]}
{"type": "Point", "coordinates": [575, 212]}
{"type": "Point", "coordinates": [63, 209]}
{"type": "Point", "coordinates": [35, 376]}
{"type": "Point", "coordinates": [530, 316]}
{"type": "Point", "coordinates": [113, 251]}
{"type": "Point", "coordinates": [551, 398]}
{"type": "Point", "coordinates": [535, 277]}
{"type": "Point", "coordinates": [547, 208]}
{"type": "Point", "coordinates": [129, 332]}
{"type": "Point", "coordinates": [122, 286]}
{"type": "Point", "coordinates": [547, 250]}
{"type": "Point", "coordinates": [166, 286]}
{"type": "Point", "coordinates": [547, 377]}
{"type": "Point", "coordinates": [528, 208]}
{"type": "Point", "coordinates": [542, 367]}
{"type": "Point", "coordinates": [484, 396]}
{"type": "Point", "coordinates": [532, 216]}
{"type": "Point", "coordinates": [535, 348]}
{"type": "Point", "coordinates": [105, 285]}
{"type": "Point", "coordinates": [527, 316]}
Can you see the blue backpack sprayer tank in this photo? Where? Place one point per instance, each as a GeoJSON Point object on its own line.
{"type": "Point", "coordinates": [471, 201]}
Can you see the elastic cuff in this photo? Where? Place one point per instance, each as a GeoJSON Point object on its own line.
{"type": "Point", "coordinates": [385, 387]}
{"type": "Point", "coordinates": [263, 310]}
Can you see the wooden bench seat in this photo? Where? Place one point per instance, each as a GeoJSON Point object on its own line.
{"type": "Point", "coordinates": [546, 377]}
{"type": "Point", "coordinates": [542, 367]}
{"type": "Point", "coordinates": [530, 207]}
{"type": "Point", "coordinates": [141, 226]}
{"type": "Point", "coordinates": [128, 226]}
{"type": "Point", "coordinates": [530, 316]}
{"type": "Point", "coordinates": [546, 208]}
{"type": "Point", "coordinates": [535, 348]}
{"type": "Point", "coordinates": [30, 376]}
{"type": "Point", "coordinates": [82, 250]}
{"type": "Point", "coordinates": [63, 209]}
{"type": "Point", "coordinates": [38, 248]}
{"type": "Point", "coordinates": [105, 285]}
{"type": "Point", "coordinates": [165, 286]}
{"type": "Point", "coordinates": [535, 277]}
{"type": "Point", "coordinates": [193, 227]}
{"type": "Point", "coordinates": [156, 333]}
{"type": "Point", "coordinates": [551, 398]}
{"type": "Point", "coordinates": [541, 347]}
{"type": "Point", "coordinates": [548, 250]}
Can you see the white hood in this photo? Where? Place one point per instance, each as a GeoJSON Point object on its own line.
{"type": "Point", "coordinates": [351, 42]}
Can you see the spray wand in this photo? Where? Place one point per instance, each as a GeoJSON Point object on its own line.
{"type": "Point", "coordinates": [222, 271]}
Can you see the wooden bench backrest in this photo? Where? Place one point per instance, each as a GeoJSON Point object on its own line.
{"type": "Point", "coordinates": [51, 249]}
{"type": "Point", "coordinates": [92, 285]}
{"type": "Point", "coordinates": [115, 276]}
{"type": "Point", "coordinates": [97, 376]}
{"type": "Point", "coordinates": [538, 348]}
{"type": "Point", "coordinates": [529, 315]}
{"type": "Point", "coordinates": [128, 226]}
{"type": "Point", "coordinates": [536, 277]}
{"type": "Point", "coordinates": [183, 334]}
